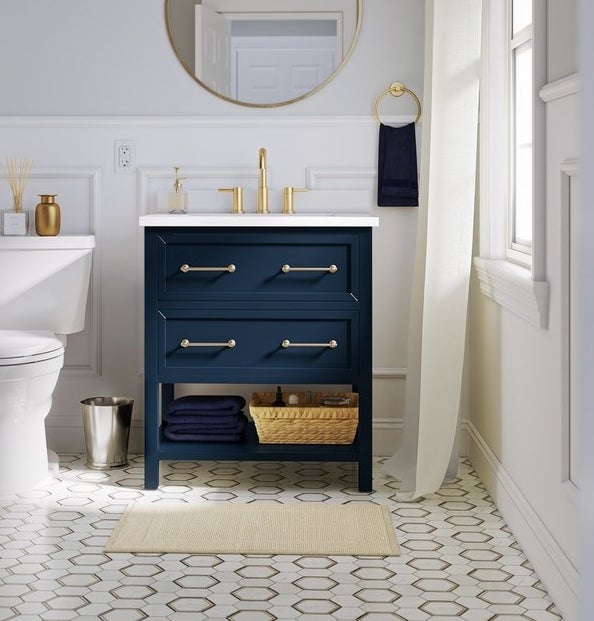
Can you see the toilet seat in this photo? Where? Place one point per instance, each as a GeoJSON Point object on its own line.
{"type": "Point", "coordinates": [18, 347]}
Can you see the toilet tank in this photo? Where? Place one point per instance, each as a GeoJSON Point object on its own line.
{"type": "Point", "coordinates": [44, 282]}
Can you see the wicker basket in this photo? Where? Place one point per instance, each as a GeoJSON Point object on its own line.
{"type": "Point", "coordinates": [305, 424]}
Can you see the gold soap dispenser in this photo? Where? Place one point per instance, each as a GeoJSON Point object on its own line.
{"type": "Point", "coordinates": [177, 200]}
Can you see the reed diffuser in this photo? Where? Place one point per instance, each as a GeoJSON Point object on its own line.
{"type": "Point", "coordinates": [15, 221]}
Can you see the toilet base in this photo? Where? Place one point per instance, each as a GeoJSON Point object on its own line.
{"type": "Point", "coordinates": [53, 463]}
{"type": "Point", "coordinates": [24, 460]}
{"type": "Point", "coordinates": [25, 401]}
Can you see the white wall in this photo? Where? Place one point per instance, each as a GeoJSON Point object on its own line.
{"type": "Point", "coordinates": [585, 306]}
{"type": "Point", "coordinates": [561, 57]}
{"type": "Point", "coordinates": [85, 74]}
{"type": "Point", "coordinates": [520, 407]}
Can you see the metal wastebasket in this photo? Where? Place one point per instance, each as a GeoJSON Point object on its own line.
{"type": "Point", "coordinates": [106, 424]}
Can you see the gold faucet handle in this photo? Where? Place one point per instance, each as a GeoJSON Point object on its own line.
{"type": "Point", "coordinates": [288, 198]}
{"type": "Point", "coordinates": [237, 199]}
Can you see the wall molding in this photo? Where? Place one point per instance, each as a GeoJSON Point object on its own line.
{"type": "Point", "coordinates": [547, 557]}
{"type": "Point", "coordinates": [197, 180]}
{"type": "Point", "coordinates": [65, 434]}
{"type": "Point", "coordinates": [389, 373]}
{"type": "Point", "coordinates": [91, 367]}
{"type": "Point", "coordinates": [563, 87]}
{"type": "Point", "coordinates": [512, 287]}
{"type": "Point", "coordinates": [324, 177]}
{"type": "Point", "coordinates": [569, 168]}
{"type": "Point", "coordinates": [94, 328]}
{"type": "Point", "coordinates": [89, 122]}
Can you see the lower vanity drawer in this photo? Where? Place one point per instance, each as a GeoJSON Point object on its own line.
{"type": "Point", "coordinates": [216, 343]}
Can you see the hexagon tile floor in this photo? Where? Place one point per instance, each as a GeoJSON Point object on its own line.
{"type": "Point", "coordinates": [458, 559]}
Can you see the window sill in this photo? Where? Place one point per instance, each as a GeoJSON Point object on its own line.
{"type": "Point", "coordinates": [512, 287]}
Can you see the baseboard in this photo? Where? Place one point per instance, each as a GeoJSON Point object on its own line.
{"type": "Point", "coordinates": [65, 435]}
{"type": "Point", "coordinates": [549, 561]}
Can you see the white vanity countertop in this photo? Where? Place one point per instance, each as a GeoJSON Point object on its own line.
{"type": "Point", "coordinates": [255, 220]}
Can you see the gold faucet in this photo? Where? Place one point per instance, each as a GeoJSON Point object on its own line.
{"type": "Point", "coordinates": [262, 189]}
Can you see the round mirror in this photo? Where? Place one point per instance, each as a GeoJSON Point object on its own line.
{"type": "Point", "coordinates": [263, 53]}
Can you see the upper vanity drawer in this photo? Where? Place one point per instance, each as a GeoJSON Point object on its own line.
{"type": "Point", "coordinates": [267, 265]}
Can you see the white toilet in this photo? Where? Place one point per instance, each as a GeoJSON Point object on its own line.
{"type": "Point", "coordinates": [44, 282]}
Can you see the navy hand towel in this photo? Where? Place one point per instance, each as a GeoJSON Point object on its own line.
{"type": "Point", "coordinates": [397, 182]}
{"type": "Point", "coordinates": [207, 403]}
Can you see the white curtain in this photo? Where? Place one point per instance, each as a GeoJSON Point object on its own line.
{"type": "Point", "coordinates": [439, 303]}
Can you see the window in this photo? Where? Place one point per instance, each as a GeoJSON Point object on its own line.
{"type": "Point", "coordinates": [511, 267]}
{"type": "Point", "coordinates": [519, 246]}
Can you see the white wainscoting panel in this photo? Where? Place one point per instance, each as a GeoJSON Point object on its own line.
{"type": "Point", "coordinates": [569, 226]}
{"type": "Point", "coordinates": [333, 156]}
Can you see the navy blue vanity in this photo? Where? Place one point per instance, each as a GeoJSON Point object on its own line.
{"type": "Point", "coordinates": [229, 300]}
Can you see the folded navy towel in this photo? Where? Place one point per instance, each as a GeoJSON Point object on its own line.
{"type": "Point", "coordinates": [212, 419]}
{"type": "Point", "coordinates": [236, 427]}
{"type": "Point", "coordinates": [397, 177]}
{"type": "Point", "coordinates": [190, 433]}
{"type": "Point", "coordinates": [207, 403]}
{"type": "Point", "coordinates": [202, 437]}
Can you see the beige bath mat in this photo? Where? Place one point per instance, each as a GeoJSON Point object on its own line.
{"type": "Point", "coordinates": [357, 529]}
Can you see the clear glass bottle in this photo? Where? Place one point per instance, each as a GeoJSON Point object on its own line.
{"type": "Point", "coordinates": [177, 201]}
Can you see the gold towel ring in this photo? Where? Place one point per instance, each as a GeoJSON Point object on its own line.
{"type": "Point", "coordinates": [397, 89]}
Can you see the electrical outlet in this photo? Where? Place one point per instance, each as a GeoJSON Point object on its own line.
{"type": "Point", "coordinates": [124, 156]}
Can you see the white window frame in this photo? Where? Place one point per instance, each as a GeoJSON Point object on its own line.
{"type": "Point", "coordinates": [515, 280]}
{"type": "Point", "coordinates": [516, 250]}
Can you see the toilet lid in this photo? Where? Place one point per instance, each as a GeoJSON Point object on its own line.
{"type": "Point", "coordinates": [26, 346]}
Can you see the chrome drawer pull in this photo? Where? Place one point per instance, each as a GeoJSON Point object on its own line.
{"type": "Point", "coordinates": [285, 269]}
{"type": "Point", "coordinates": [186, 268]}
{"type": "Point", "coordinates": [331, 344]}
{"type": "Point", "coordinates": [186, 343]}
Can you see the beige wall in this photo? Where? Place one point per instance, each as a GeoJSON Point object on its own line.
{"type": "Point", "coordinates": [518, 397]}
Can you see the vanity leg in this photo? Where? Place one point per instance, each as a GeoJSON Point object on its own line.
{"type": "Point", "coordinates": [364, 436]}
{"type": "Point", "coordinates": [151, 435]}
{"type": "Point", "coordinates": [365, 475]}
{"type": "Point", "coordinates": [151, 473]}
{"type": "Point", "coordinates": [365, 454]}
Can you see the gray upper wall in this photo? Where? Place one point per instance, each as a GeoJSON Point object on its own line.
{"type": "Point", "coordinates": [78, 57]}
{"type": "Point", "coordinates": [113, 58]}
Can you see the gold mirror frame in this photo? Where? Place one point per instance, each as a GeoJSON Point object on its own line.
{"type": "Point", "coordinates": [359, 4]}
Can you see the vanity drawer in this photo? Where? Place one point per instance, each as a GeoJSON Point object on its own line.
{"type": "Point", "coordinates": [211, 342]}
{"type": "Point", "coordinates": [267, 265]}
